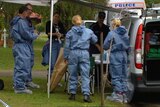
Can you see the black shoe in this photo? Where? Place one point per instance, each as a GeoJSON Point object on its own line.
{"type": "Point", "coordinates": [72, 97]}
{"type": "Point", "coordinates": [87, 99]}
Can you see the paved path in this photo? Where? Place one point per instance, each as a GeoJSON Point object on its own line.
{"type": "Point", "coordinates": [39, 74]}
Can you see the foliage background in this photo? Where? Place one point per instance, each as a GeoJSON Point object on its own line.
{"type": "Point", "coordinates": [67, 10]}
{"type": "Point", "coordinates": [149, 3]}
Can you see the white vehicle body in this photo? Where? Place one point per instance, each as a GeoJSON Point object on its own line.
{"type": "Point", "coordinates": [144, 67]}
{"type": "Point", "coordinates": [125, 4]}
{"type": "Point", "coordinates": [88, 23]}
{"type": "Point", "coordinates": [144, 57]}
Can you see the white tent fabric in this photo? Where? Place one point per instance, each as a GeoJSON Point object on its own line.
{"type": "Point", "coordinates": [33, 2]}
{"type": "Point", "coordinates": [52, 2]}
{"type": "Point", "coordinates": [41, 3]}
{"type": "Point", "coordinates": [50, 52]}
{"type": "Point", "coordinates": [47, 3]}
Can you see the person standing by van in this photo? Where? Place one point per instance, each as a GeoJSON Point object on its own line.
{"type": "Point", "coordinates": [118, 60]}
{"type": "Point", "coordinates": [76, 53]}
{"type": "Point", "coordinates": [99, 28]}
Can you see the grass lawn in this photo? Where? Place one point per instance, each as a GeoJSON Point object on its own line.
{"type": "Point", "coordinates": [7, 61]}
{"type": "Point", "coordinates": [39, 98]}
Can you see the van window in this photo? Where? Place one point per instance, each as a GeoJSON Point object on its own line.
{"type": "Point", "coordinates": [130, 29]}
{"type": "Point", "coordinates": [127, 23]}
{"type": "Point", "coordinates": [153, 26]}
{"type": "Point", "coordinates": [88, 24]}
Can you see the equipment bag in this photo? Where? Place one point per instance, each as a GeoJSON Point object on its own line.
{"type": "Point", "coordinates": [1, 84]}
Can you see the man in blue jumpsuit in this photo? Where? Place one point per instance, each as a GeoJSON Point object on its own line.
{"type": "Point", "coordinates": [22, 49]}
{"type": "Point", "coordinates": [29, 82]}
{"type": "Point", "coordinates": [118, 60]}
{"type": "Point", "coordinates": [76, 53]}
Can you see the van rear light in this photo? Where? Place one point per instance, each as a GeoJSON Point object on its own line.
{"type": "Point", "coordinates": [138, 47]}
{"type": "Point", "coordinates": [138, 61]}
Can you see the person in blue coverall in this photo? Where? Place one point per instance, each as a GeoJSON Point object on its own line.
{"type": "Point", "coordinates": [118, 60]}
{"type": "Point", "coordinates": [29, 79]}
{"type": "Point", "coordinates": [22, 36]}
{"type": "Point", "coordinates": [76, 53]}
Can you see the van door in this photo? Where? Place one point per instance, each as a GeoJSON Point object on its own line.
{"type": "Point", "coordinates": [152, 46]}
{"type": "Point", "coordinates": [152, 50]}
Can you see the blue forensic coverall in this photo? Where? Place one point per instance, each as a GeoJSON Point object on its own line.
{"type": "Point", "coordinates": [76, 51]}
{"type": "Point", "coordinates": [118, 58]}
{"type": "Point", "coordinates": [31, 29]}
{"type": "Point", "coordinates": [22, 51]}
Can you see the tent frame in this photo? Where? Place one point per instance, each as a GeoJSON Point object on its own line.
{"type": "Point", "coordinates": [81, 2]}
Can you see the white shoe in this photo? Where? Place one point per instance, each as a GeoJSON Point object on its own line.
{"type": "Point", "coordinates": [115, 97]}
{"type": "Point", "coordinates": [32, 85]}
{"type": "Point", "coordinates": [125, 99]}
{"type": "Point", "coordinates": [27, 91]}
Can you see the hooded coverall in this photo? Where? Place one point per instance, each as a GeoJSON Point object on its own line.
{"type": "Point", "coordinates": [118, 58]}
{"type": "Point", "coordinates": [31, 29]}
{"type": "Point", "coordinates": [77, 44]}
{"type": "Point", "coordinates": [22, 36]}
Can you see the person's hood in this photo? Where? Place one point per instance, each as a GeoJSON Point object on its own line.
{"type": "Point", "coordinates": [78, 29]}
{"type": "Point", "coordinates": [121, 30]}
{"type": "Point", "coordinates": [14, 20]}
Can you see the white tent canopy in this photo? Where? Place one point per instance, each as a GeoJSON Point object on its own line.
{"type": "Point", "coordinates": [40, 3]}
{"type": "Point", "coordinates": [52, 2]}
{"type": "Point", "coordinates": [48, 2]}
{"type": "Point", "coordinates": [33, 2]}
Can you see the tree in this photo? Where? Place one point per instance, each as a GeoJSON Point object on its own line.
{"type": "Point", "coordinates": [149, 3]}
{"type": "Point", "coordinates": [69, 9]}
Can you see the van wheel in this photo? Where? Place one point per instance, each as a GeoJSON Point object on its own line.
{"type": "Point", "coordinates": [134, 97]}
{"type": "Point", "coordinates": [131, 93]}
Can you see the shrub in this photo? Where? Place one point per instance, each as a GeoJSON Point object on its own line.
{"type": "Point", "coordinates": [40, 27]}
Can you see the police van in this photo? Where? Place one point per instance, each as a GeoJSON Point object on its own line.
{"type": "Point", "coordinates": [144, 34]}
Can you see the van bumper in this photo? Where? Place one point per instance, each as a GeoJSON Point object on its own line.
{"type": "Point", "coordinates": [141, 86]}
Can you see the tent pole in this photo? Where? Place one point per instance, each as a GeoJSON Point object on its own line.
{"type": "Point", "coordinates": [101, 57]}
{"type": "Point", "coordinates": [50, 48]}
